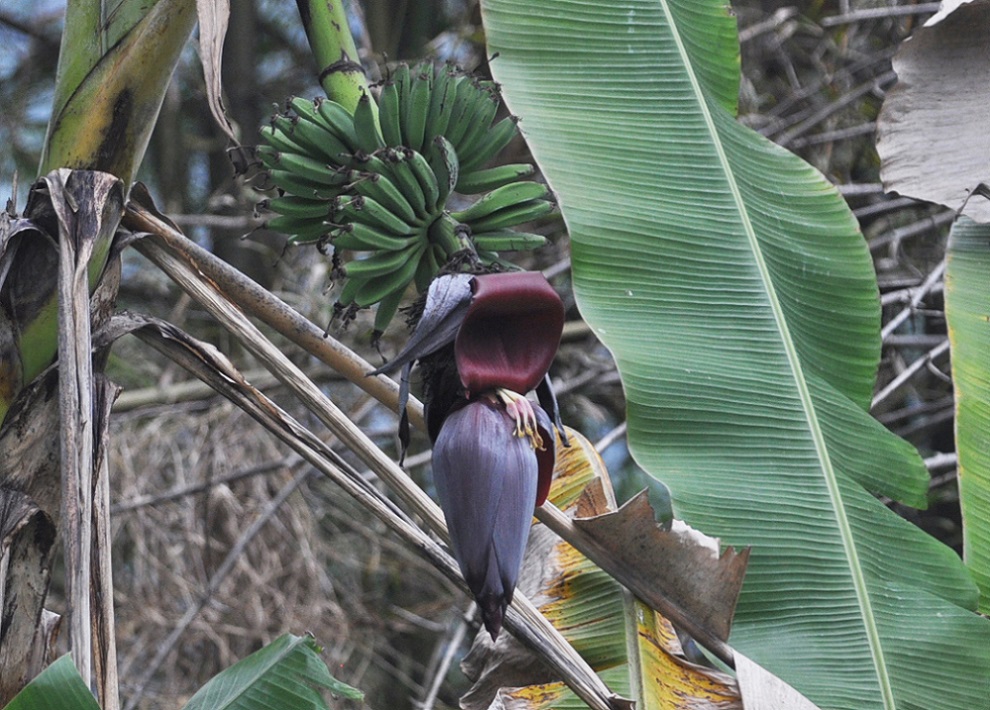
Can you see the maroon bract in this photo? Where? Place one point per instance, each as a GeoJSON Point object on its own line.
{"type": "Point", "coordinates": [510, 333]}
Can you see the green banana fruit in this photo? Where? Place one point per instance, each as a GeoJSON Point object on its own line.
{"type": "Point", "coordinates": [501, 198]}
{"type": "Point", "coordinates": [366, 128]}
{"type": "Point", "coordinates": [518, 213]}
{"type": "Point", "coordinates": [478, 181]}
{"type": "Point", "coordinates": [474, 137]}
{"type": "Point", "coordinates": [305, 207]}
{"type": "Point", "coordinates": [425, 178]}
{"type": "Point", "coordinates": [414, 126]}
{"type": "Point", "coordinates": [336, 119]}
{"type": "Point", "coordinates": [328, 143]}
{"type": "Point", "coordinates": [358, 236]}
{"type": "Point", "coordinates": [445, 234]}
{"type": "Point", "coordinates": [383, 191]}
{"type": "Point", "coordinates": [508, 240]}
{"type": "Point", "coordinates": [378, 181]}
{"type": "Point", "coordinates": [438, 99]}
{"type": "Point", "coordinates": [389, 109]}
{"type": "Point", "coordinates": [301, 230]}
{"type": "Point", "coordinates": [292, 183]}
{"type": "Point", "coordinates": [377, 288]}
{"type": "Point", "coordinates": [301, 165]}
{"type": "Point", "coordinates": [282, 141]}
{"type": "Point", "coordinates": [492, 142]}
{"type": "Point", "coordinates": [387, 308]}
{"type": "Point", "coordinates": [382, 263]}
{"type": "Point", "coordinates": [468, 101]}
{"type": "Point", "coordinates": [403, 177]}
{"type": "Point", "coordinates": [442, 160]}
{"type": "Point", "coordinates": [286, 125]}
{"type": "Point", "coordinates": [367, 210]}
{"type": "Point", "coordinates": [426, 270]}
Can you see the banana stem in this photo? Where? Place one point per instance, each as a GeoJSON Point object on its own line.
{"type": "Point", "coordinates": [329, 35]}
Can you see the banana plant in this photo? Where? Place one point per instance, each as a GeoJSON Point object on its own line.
{"type": "Point", "coordinates": [732, 285]}
{"type": "Point", "coordinates": [110, 83]}
{"type": "Point", "coordinates": [112, 74]}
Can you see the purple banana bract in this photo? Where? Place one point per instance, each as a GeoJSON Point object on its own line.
{"type": "Point", "coordinates": [483, 342]}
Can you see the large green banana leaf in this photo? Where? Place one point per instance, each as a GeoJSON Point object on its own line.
{"type": "Point", "coordinates": [732, 285]}
{"type": "Point", "coordinates": [967, 310]}
{"type": "Point", "coordinates": [284, 675]}
{"type": "Point", "coordinates": [58, 686]}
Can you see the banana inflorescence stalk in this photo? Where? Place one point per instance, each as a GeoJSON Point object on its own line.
{"type": "Point", "coordinates": [376, 182]}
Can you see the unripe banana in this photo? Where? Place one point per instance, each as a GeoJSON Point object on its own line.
{"type": "Point", "coordinates": [301, 230]}
{"type": "Point", "coordinates": [327, 143]}
{"type": "Point", "coordinates": [352, 285]}
{"type": "Point", "coordinates": [389, 110]}
{"type": "Point", "coordinates": [377, 288]}
{"type": "Point", "coordinates": [293, 206]}
{"type": "Point", "coordinates": [414, 123]}
{"type": "Point", "coordinates": [438, 98]}
{"type": "Point", "coordinates": [303, 166]}
{"type": "Point", "coordinates": [383, 263]}
{"type": "Point", "coordinates": [446, 233]}
{"type": "Point", "coordinates": [358, 236]}
{"type": "Point", "coordinates": [491, 142]}
{"type": "Point", "coordinates": [425, 270]}
{"type": "Point", "coordinates": [367, 210]}
{"type": "Point", "coordinates": [286, 125]}
{"type": "Point", "coordinates": [518, 213]}
{"type": "Point", "coordinates": [425, 177]}
{"type": "Point", "coordinates": [503, 197]}
{"type": "Point", "coordinates": [383, 191]}
{"type": "Point", "coordinates": [366, 128]}
{"type": "Point", "coordinates": [478, 181]}
{"type": "Point", "coordinates": [387, 308]}
{"type": "Point", "coordinates": [281, 141]}
{"type": "Point", "coordinates": [336, 119]}
{"type": "Point", "coordinates": [404, 178]}
{"type": "Point", "coordinates": [508, 240]}
{"type": "Point", "coordinates": [468, 102]}
{"type": "Point", "coordinates": [304, 108]}
{"type": "Point", "coordinates": [473, 139]}
{"type": "Point", "coordinates": [292, 183]}
{"type": "Point", "coordinates": [442, 159]}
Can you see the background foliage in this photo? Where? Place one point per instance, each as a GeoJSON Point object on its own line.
{"type": "Point", "coordinates": [189, 469]}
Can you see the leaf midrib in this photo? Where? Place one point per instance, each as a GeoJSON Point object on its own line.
{"type": "Point", "coordinates": [818, 437]}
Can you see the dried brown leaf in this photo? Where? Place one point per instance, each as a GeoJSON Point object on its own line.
{"type": "Point", "coordinates": [932, 133]}
{"type": "Point", "coordinates": [214, 16]}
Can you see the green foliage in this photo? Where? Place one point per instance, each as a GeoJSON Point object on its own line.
{"type": "Point", "coordinates": [284, 675]}
{"type": "Point", "coordinates": [733, 287]}
{"type": "Point", "coordinates": [287, 674]}
{"type": "Point", "coordinates": [967, 310]}
{"type": "Point", "coordinates": [58, 686]}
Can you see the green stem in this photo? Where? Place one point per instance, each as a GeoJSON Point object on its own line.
{"type": "Point", "coordinates": [341, 73]}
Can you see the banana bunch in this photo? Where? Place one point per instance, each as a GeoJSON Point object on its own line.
{"type": "Point", "coordinates": [376, 183]}
{"type": "Point", "coordinates": [417, 104]}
